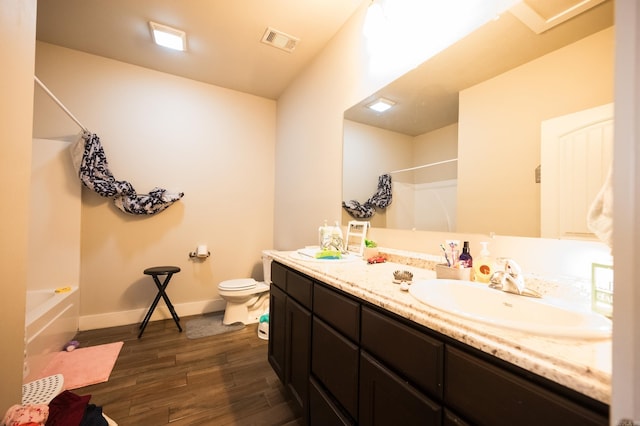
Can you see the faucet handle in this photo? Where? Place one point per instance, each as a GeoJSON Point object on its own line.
{"type": "Point", "coordinates": [510, 280]}
{"type": "Point", "coordinates": [496, 280]}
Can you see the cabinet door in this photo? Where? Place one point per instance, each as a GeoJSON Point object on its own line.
{"type": "Point", "coordinates": [385, 399]}
{"type": "Point", "coordinates": [334, 362]}
{"type": "Point", "coordinates": [277, 331]}
{"type": "Point", "coordinates": [488, 395]}
{"type": "Point", "coordinates": [451, 419]}
{"type": "Point", "coordinates": [298, 349]}
{"type": "Point", "coordinates": [322, 410]}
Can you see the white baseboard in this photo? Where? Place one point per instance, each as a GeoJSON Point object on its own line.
{"type": "Point", "coordinates": [114, 319]}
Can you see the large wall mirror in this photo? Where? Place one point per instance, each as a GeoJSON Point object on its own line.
{"type": "Point", "coordinates": [463, 142]}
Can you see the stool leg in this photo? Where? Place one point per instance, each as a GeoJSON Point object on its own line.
{"type": "Point", "coordinates": [172, 310]}
{"type": "Point", "coordinates": [161, 293]}
{"type": "Point", "coordinates": [147, 317]}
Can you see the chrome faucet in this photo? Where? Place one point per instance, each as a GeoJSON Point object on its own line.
{"type": "Point", "coordinates": [511, 280]}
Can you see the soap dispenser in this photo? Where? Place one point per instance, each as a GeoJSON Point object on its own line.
{"type": "Point", "coordinates": [483, 264]}
{"type": "Point", "coordinates": [337, 238]}
{"type": "Point", "coordinates": [324, 235]}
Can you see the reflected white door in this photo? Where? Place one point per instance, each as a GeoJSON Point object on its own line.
{"type": "Point", "coordinates": [576, 156]}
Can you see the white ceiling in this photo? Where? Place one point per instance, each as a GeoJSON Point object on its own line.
{"type": "Point", "coordinates": [427, 97]}
{"type": "Point", "coordinates": [224, 37]}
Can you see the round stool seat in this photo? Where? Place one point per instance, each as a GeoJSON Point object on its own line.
{"type": "Point", "coordinates": [161, 270]}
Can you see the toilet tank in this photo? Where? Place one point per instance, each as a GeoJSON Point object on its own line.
{"type": "Point", "coordinates": [266, 269]}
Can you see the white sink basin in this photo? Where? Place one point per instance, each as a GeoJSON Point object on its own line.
{"type": "Point", "coordinates": [480, 303]}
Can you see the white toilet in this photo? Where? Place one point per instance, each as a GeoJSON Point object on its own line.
{"type": "Point", "coordinates": [247, 299]}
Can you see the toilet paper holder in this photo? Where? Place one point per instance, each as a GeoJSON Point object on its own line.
{"type": "Point", "coordinates": [200, 252]}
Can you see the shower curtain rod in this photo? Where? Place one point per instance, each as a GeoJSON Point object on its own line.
{"type": "Point", "coordinates": [424, 166]}
{"type": "Point", "coordinates": [60, 104]}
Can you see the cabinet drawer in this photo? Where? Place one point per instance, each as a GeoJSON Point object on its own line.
{"type": "Point", "coordinates": [334, 362]}
{"type": "Point", "coordinates": [279, 276]}
{"type": "Point", "coordinates": [300, 287]}
{"type": "Point", "coordinates": [413, 355]}
{"type": "Point", "coordinates": [485, 394]}
{"type": "Point", "coordinates": [386, 399]}
{"type": "Point", "coordinates": [339, 311]}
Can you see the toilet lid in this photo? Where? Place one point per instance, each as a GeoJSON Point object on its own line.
{"type": "Point", "coordinates": [238, 284]}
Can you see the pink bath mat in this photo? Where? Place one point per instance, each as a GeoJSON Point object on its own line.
{"type": "Point", "coordinates": [84, 366]}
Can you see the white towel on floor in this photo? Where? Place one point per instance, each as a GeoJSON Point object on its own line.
{"type": "Point", "coordinates": [600, 215]}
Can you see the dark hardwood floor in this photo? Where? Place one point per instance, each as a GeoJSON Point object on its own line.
{"type": "Point", "coordinates": [165, 378]}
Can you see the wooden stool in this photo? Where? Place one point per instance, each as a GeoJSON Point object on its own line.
{"type": "Point", "coordinates": [162, 292]}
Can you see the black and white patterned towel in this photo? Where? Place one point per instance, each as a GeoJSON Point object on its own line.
{"type": "Point", "coordinates": [91, 165]}
{"type": "Point", "coordinates": [381, 200]}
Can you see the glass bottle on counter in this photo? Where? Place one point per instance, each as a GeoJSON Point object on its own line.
{"type": "Point", "coordinates": [465, 260]}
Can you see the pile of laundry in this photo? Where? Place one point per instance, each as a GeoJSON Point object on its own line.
{"type": "Point", "coordinates": [65, 409]}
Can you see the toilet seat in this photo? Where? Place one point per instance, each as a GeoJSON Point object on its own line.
{"type": "Point", "coordinates": [238, 284]}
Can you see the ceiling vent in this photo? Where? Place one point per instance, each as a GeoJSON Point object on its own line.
{"type": "Point", "coordinates": [280, 40]}
{"type": "Point", "coordinates": [542, 15]}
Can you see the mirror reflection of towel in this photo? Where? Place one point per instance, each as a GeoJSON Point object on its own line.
{"type": "Point", "coordinates": [381, 200]}
{"type": "Point", "coordinates": [600, 215]}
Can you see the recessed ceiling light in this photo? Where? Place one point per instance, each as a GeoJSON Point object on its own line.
{"type": "Point", "coordinates": [168, 37]}
{"type": "Point", "coordinates": [381, 105]}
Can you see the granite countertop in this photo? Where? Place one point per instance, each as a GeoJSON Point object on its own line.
{"type": "Point", "coordinates": [581, 365]}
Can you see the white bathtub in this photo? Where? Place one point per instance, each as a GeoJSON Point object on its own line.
{"type": "Point", "coordinates": [51, 321]}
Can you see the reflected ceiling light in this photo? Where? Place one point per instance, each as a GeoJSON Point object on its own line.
{"type": "Point", "coordinates": [168, 37]}
{"type": "Point", "coordinates": [400, 34]}
{"type": "Point", "coordinates": [381, 105]}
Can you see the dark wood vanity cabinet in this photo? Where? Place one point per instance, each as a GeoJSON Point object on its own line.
{"type": "Point", "coordinates": [350, 363]}
{"type": "Point", "coordinates": [289, 350]}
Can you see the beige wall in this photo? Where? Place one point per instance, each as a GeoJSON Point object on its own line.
{"type": "Point", "coordinates": [216, 145]}
{"type": "Point", "coordinates": [309, 128]}
{"type": "Point", "coordinates": [17, 32]}
{"type": "Point", "coordinates": [432, 147]}
{"type": "Point", "coordinates": [368, 153]}
{"type": "Point", "coordinates": [504, 114]}
{"type": "Point", "coordinates": [626, 338]}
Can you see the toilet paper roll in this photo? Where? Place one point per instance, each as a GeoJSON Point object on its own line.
{"type": "Point", "coordinates": [202, 251]}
